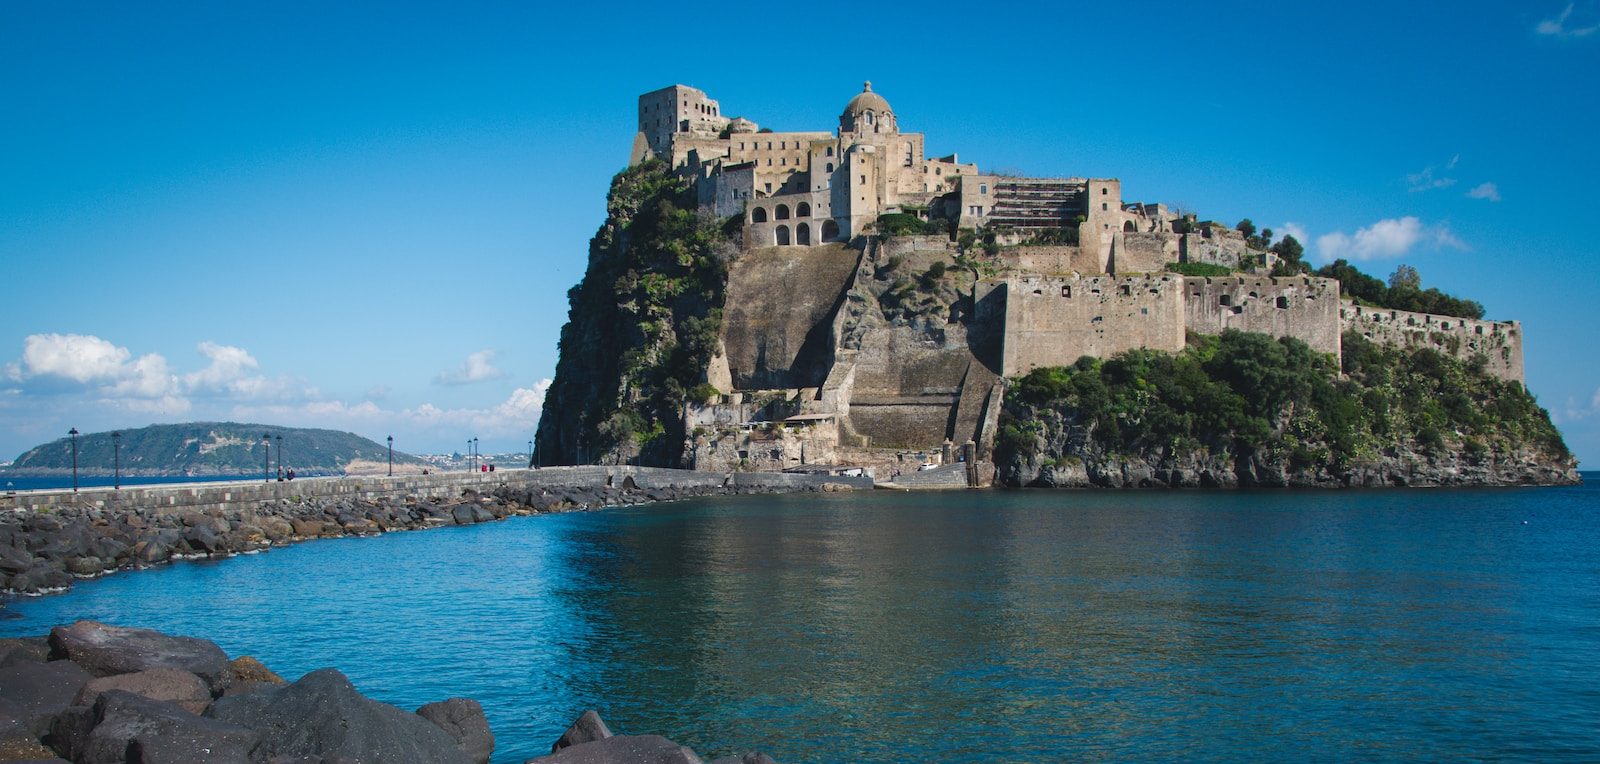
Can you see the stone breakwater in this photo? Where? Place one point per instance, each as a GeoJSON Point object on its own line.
{"type": "Point", "coordinates": [45, 550]}
{"type": "Point", "coordinates": [91, 693]}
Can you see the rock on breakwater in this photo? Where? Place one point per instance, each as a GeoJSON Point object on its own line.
{"type": "Point", "coordinates": [45, 551]}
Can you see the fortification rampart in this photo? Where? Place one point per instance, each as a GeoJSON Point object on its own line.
{"type": "Point", "coordinates": [1499, 342]}
{"type": "Point", "coordinates": [1052, 321]}
{"type": "Point", "coordinates": [1302, 307]}
{"type": "Point", "coordinates": [1143, 252]}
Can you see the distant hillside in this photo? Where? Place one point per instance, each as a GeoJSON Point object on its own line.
{"type": "Point", "coordinates": [206, 448]}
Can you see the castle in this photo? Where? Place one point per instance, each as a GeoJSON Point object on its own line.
{"type": "Point", "coordinates": [820, 363]}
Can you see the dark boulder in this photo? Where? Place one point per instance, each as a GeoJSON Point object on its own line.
{"type": "Point", "coordinates": [623, 749]}
{"type": "Point", "coordinates": [105, 650]}
{"type": "Point", "coordinates": [464, 720]}
{"type": "Point", "coordinates": [588, 728]}
{"type": "Point", "coordinates": [124, 722]}
{"type": "Point", "coordinates": [175, 686]}
{"type": "Point", "coordinates": [323, 715]}
{"type": "Point", "coordinates": [41, 577]}
{"type": "Point", "coordinates": [753, 757]}
{"type": "Point", "coordinates": [25, 650]}
{"type": "Point", "coordinates": [39, 691]}
{"type": "Point", "coordinates": [14, 560]}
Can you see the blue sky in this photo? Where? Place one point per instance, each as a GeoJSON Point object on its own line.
{"type": "Point", "coordinates": [367, 216]}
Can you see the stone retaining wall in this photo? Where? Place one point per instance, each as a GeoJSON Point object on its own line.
{"type": "Point", "coordinates": [206, 496]}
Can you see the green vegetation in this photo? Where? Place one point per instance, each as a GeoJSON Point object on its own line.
{"type": "Point", "coordinates": [643, 324]}
{"type": "Point", "coordinates": [1199, 269]}
{"type": "Point", "coordinates": [1244, 393]}
{"type": "Point", "coordinates": [907, 224]}
{"type": "Point", "coordinates": [1403, 293]}
{"type": "Point", "coordinates": [1289, 252]}
{"type": "Point", "coordinates": [1064, 236]}
{"type": "Point", "coordinates": [206, 448]}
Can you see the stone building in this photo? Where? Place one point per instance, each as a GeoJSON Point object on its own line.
{"type": "Point", "coordinates": [812, 371]}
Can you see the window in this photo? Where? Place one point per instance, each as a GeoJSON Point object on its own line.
{"type": "Point", "coordinates": [983, 189]}
{"type": "Point", "coordinates": [1104, 207]}
{"type": "Point", "coordinates": [1283, 302]}
{"type": "Point", "coordinates": [830, 151]}
{"type": "Point", "coordinates": [1104, 191]}
{"type": "Point", "coordinates": [863, 180]}
{"type": "Point", "coordinates": [830, 167]}
{"type": "Point", "coordinates": [758, 215]}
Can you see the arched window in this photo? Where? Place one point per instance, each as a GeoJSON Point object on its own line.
{"type": "Point", "coordinates": [830, 167]}
{"type": "Point", "coordinates": [782, 212]}
{"type": "Point", "coordinates": [830, 230]}
{"type": "Point", "coordinates": [1129, 226]}
{"type": "Point", "coordinates": [802, 210]}
{"type": "Point", "coordinates": [783, 236]}
{"type": "Point", "coordinates": [758, 215]}
{"type": "Point", "coordinates": [802, 234]}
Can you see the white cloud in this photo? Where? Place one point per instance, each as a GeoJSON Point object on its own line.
{"type": "Point", "coordinates": [231, 374]}
{"type": "Point", "coordinates": [515, 416]}
{"type": "Point", "coordinates": [1297, 231]}
{"type": "Point", "coordinates": [1426, 180]}
{"type": "Point", "coordinates": [80, 358]}
{"type": "Point", "coordinates": [1391, 237]}
{"type": "Point", "coordinates": [479, 367]}
{"type": "Point", "coordinates": [1557, 27]}
{"type": "Point", "coordinates": [1487, 191]}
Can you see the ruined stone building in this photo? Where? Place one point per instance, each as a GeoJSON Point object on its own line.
{"type": "Point", "coordinates": [828, 358]}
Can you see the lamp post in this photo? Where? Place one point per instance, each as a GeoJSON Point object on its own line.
{"type": "Point", "coordinates": [469, 454]}
{"type": "Point", "coordinates": [477, 461]}
{"type": "Point", "coordinates": [280, 458]}
{"type": "Point", "coordinates": [116, 461]}
{"type": "Point", "coordinates": [391, 456]}
{"type": "Point", "coordinates": [74, 433]}
{"type": "Point", "coordinates": [266, 458]}
{"type": "Point", "coordinates": [530, 454]}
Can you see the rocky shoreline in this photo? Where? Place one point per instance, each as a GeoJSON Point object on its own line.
{"type": "Point", "coordinates": [91, 693]}
{"type": "Point", "coordinates": [44, 552]}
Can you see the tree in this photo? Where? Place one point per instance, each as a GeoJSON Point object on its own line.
{"type": "Point", "coordinates": [1289, 253]}
{"type": "Point", "coordinates": [1246, 227]}
{"type": "Point", "coordinates": [1405, 277]}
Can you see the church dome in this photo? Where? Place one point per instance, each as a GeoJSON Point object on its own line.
{"type": "Point", "coordinates": [867, 100]}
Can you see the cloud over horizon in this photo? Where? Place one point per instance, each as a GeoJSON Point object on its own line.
{"type": "Point", "coordinates": [1387, 238]}
{"type": "Point", "coordinates": [478, 367]}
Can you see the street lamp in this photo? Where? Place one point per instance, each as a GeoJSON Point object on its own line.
{"type": "Point", "coordinates": [116, 461]}
{"type": "Point", "coordinates": [475, 460]}
{"type": "Point", "coordinates": [280, 458]}
{"type": "Point", "coordinates": [391, 456]}
{"type": "Point", "coordinates": [266, 458]}
{"type": "Point", "coordinates": [530, 454]}
{"type": "Point", "coordinates": [74, 433]}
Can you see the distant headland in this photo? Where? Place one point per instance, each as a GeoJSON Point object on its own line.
{"type": "Point", "coordinates": [198, 449]}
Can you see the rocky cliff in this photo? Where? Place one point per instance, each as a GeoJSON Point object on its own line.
{"type": "Point", "coordinates": [1246, 410]}
{"type": "Point", "coordinates": [642, 326]}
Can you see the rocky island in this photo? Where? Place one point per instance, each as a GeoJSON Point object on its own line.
{"type": "Point", "coordinates": [815, 300]}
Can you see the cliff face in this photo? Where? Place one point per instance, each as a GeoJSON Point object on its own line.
{"type": "Point", "coordinates": [641, 329]}
{"type": "Point", "coordinates": [1244, 410]}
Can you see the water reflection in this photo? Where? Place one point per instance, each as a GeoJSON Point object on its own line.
{"type": "Point", "coordinates": [954, 627]}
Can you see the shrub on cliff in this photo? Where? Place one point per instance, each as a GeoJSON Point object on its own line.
{"type": "Point", "coordinates": [642, 326]}
{"type": "Point", "coordinates": [1406, 295]}
{"type": "Point", "coordinates": [1245, 393]}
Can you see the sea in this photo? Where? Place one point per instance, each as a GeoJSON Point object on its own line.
{"type": "Point", "coordinates": [59, 482]}
{"type": "Point", "coordinates": [962, 626]}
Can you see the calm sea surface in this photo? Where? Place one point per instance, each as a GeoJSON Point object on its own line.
{"type": "Point", "coordinates": [961, 626]}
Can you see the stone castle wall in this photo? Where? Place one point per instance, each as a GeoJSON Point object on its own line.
{"type": "Point", "coordinates": [1052, 321]}
{"type": "Point", "coordinates": [1143, 252]}
{"type": "Point", "coordinates": [1499, 342]}
{"type": "Point", "coordinates": [1302, 307]}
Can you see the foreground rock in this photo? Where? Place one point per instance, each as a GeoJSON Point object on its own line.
{"type": "Point", "coordinates": [45, 552]}
{"type": "Point", "coordinates": [589, 741]}
{"type": "Point", "coordinates": [106, 694]}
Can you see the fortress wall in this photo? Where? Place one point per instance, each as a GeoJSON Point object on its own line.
{"type": "Point", "coordinates": [776, 329]}
{"type": "Point", "coordinates": [1052, 321]}
{"type": "Point", "coordinates": [1143, 252]}
{"type": "Point", "coordinates": [1055, 259]}
{"type": "Point", "coordinates": [1302, 307]}
{"type": "Point", "coordinates": [1226, 251]}
{"type": "Point", "coordinates": [1498, 341]}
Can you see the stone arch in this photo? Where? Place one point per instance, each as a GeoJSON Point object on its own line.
{"type": "Point", "coordinates": [1129, 226]}
{"type": "Point", "coordinates": [782, 236]}
{"type": "Point", "coordinates": [782, 212]}
{"type": "Point", "coordinates": [802, 234]}
{"type": "Point", "coordinates": [830, 230]}
{"type": "Point", "coordinates": [802, 210]}
{"type": "Point", "coordinates": [758, 215]}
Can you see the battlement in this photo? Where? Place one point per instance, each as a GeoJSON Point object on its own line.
{"type": "Point", "coordinates": [1498, 342]}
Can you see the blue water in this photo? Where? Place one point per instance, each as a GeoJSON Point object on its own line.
{"type": "Point", "coordinates": [13, 483]}
{"type": "Point", "coordinates": [963, 626]}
